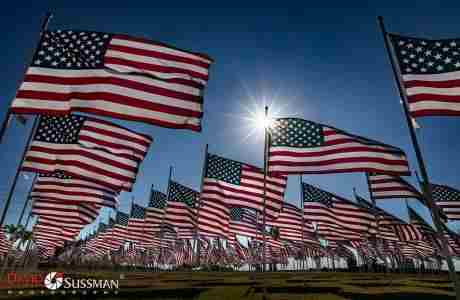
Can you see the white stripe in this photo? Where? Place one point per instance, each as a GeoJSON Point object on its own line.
{"type": "Point", "coordinates": [434, 104]}
{"type": "Point", "coordinates": [339, 155]}
{"type": "Point", "coordinates": [392, 184]}
{"type": "Point", "coordinates": [433, 77]}
{"type": "Point", "coordinates": [159, 48]}
{"type": "Point", "coordinates": [393, 193]}
{"type": "Point", "coordinates": [432, 90]}
{"type": "Point", "coordinates": [340, 166]}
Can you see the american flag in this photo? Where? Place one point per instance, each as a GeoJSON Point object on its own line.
{"type": "Point", "coordinates": [390, 227]}
{"type": "Point", "coordinates": [388, 186]}
{"type": "Point", "coordinates": [75, 145]}
{"type": "Point", "coordinates": [299, 146]}
{"type": "Point", "coordinates": [5, 244]}
{"type": "Point", "coordinates": [181, 209]}
{"type": "Point", "coordinates": [136, 226]}
{"type": "Point", "coordinates": [244, 222]}
{"type": "Point", "coordinates": [292, 226]}
{"type": "Point", "coordinates": [430, 72]}
{"type": "Point", "coordinates": [97, 243]}
{"type": "Point", "coordinates": [58, 186]}
{"type": "Point", "coordinates": [120, 228]}
{"type": "Point", "coordinates": [155, 211]}
{"type": "Point", "coordinates": [117, 76]}
{"type": "Point", "coordinates": [238, 184]}
{"type": "Point", "coordinates": [448, 199]}
{"type": "Point", "coordinates": [453, 240]}
{"type": "Point", "coordinates": [337, 218]}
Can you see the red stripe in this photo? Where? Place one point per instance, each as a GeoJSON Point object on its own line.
{"type": "Point", "coordinates": [95, 111]}
{"type": "Point", "coordinates": [389, 189]}
{"type": "Point", "coordinates": [434, 84]}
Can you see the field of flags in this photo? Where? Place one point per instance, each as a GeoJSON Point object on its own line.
{"type": "Point", "coordinates": [239, 218]}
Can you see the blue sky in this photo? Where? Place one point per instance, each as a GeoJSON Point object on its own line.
{"type": "Point", "coordinates": [324, 62]}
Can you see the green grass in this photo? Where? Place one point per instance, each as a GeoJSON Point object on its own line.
{"type": "Point", "coordinates": [272, 286]}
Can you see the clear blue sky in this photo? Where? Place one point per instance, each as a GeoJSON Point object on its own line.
{"type": "Point", "coordinates": [324, 61]}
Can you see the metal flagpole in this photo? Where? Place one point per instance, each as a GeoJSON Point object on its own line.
{"type": "Point", "coordinates": [266, 139]}
{"type": "Point", "coordinates": [164, 211]}
{"type": "Point", "coordinates": [27, 200]}
{"type": "Point", "coordinates": [303, 220]}
{"type": "Point", "coordinates": [27, 220]}
{"type": "Point", "coordinates": [374, 207]}
{"type": "Point", "coordinates": [7, 118]}
{"type": "Point", "coordinates": [197, 235]}
{"type": "Point", "coordinates": [18, 171]}
{"type": "Point", "coordinates": [426, 187]}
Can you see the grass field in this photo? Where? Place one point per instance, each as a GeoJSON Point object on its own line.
{"type": "Point", "coordinates": [255, 286]}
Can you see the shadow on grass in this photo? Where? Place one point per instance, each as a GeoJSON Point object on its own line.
{"type": "Point", "coordinates": [297, 290]}
{"type": "Point", "coordinates": [397, 296]}
{"type": "Point", "coordinates": [376, 284]}
{"type": "Point", "coordinates": [216, 284]}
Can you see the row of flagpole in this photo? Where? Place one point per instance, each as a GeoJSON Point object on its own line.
{"type": "Point", "coordinates": [4, 125]}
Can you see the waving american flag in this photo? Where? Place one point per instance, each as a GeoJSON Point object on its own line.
{"type": "Point", "coordinates": [114, 75]}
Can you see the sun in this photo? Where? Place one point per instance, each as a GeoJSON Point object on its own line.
{"type": "Point", "coordinates": [260, 121]}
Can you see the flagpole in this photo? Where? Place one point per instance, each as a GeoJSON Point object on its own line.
{"type": "Point", "coordinates": [18, 171]}
{"type": "Point", "coordinates": [303, 219]}
{"type": "Point", "coordinates": [426, 187]}
{"type": "Point", "coordinates": [374, 207]}
{"type": "Point", "coordinates": [266, 139]}
{"type": "Point", "coordinates": [7, 118]}
{"type": "Point", "coordinates": [27, 220]}
{"type": "Point", "coordinates": [197, 237]}
{"type": "Point", "coordinates": [27, 200]}
{"type": "Point", "coordinates": [164, 213]}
